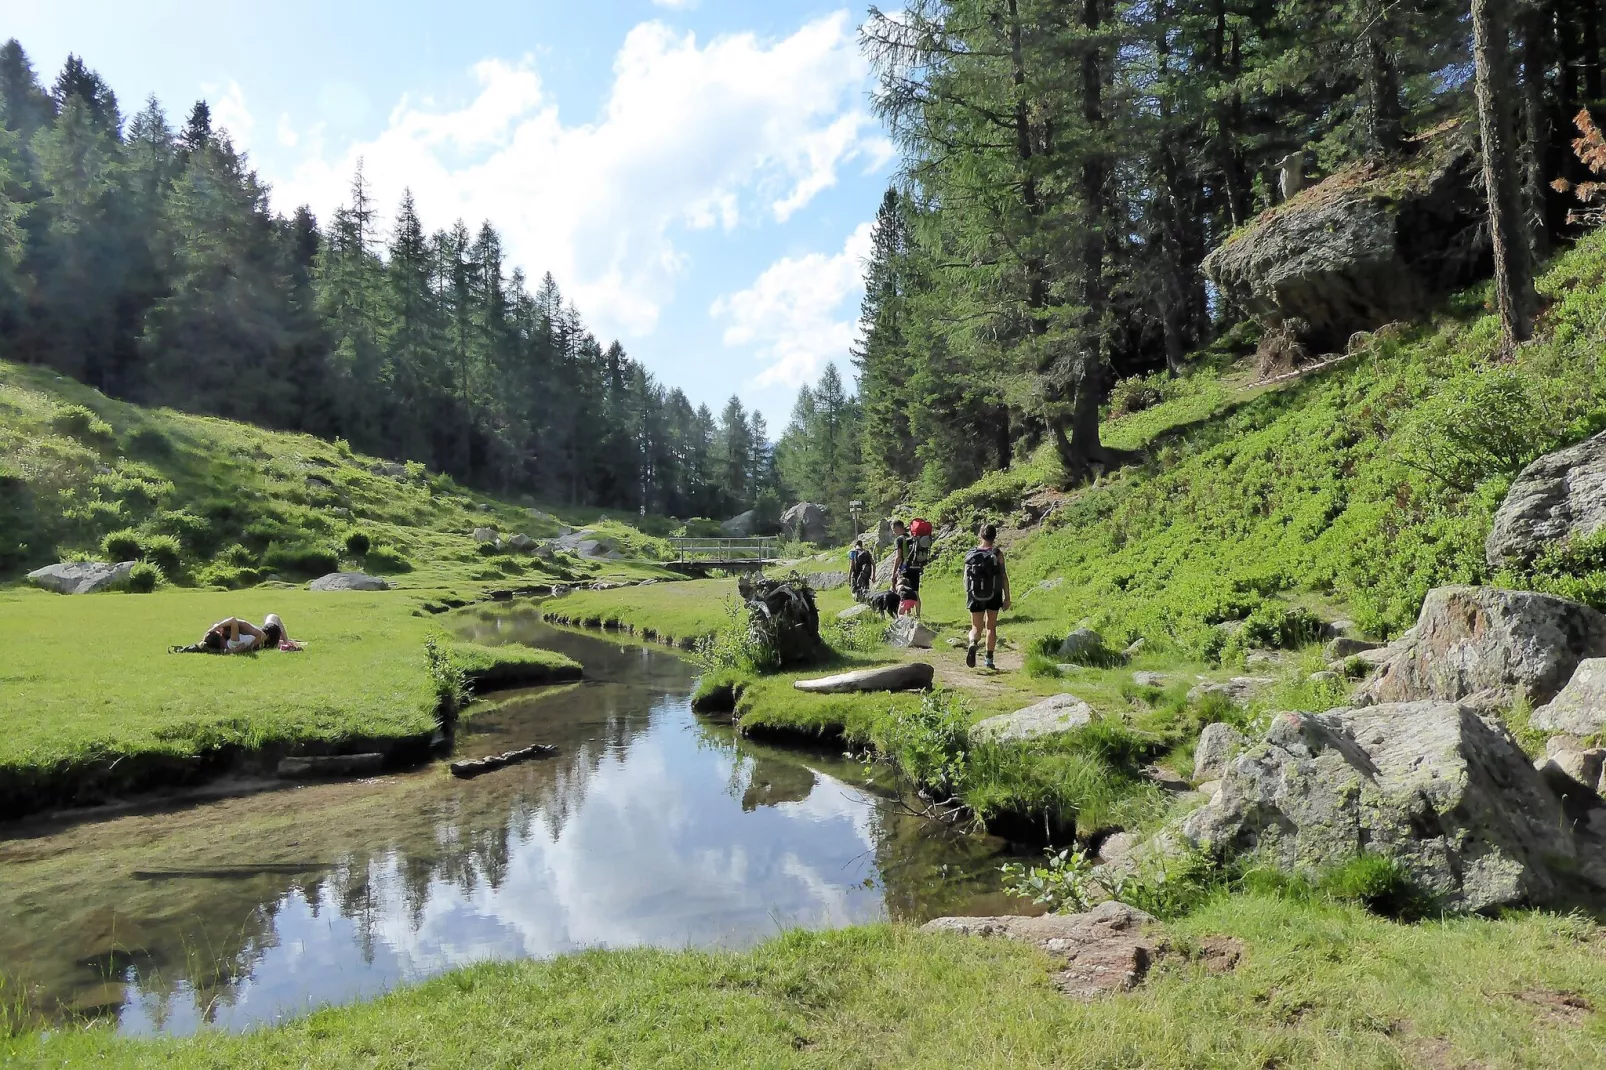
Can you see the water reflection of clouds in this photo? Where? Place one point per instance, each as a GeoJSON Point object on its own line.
{"type": "Point", "coordinates": [654, 850]}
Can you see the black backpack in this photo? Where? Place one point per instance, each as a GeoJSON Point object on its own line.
{"type": "Point", "coordinates": [982, 575]}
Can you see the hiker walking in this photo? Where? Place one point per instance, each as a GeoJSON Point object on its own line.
{"type": "Point", "coordinates": [913, 555]}
{"type": "Point", "coordinates": [986, 592]}
{"type": "Point", "coordinates": [861, 570]}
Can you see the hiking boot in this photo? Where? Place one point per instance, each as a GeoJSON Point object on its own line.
{"type": "Point", "coordinates": [990, 664]}
{"type": "Point", "coordinates": [970, 656]}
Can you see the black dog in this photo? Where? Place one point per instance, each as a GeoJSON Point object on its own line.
{"type": "Point", "coordinates": [883, 602]}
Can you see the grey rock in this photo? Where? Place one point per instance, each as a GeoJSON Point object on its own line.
{"type": "Point", "coordinates": [907, 676]}
{"type": "Point", "coordinates": [521, 542]}
{"type": "Point", "coordinates": [805, 522]}
{"type": "Point", "coordinates": [1346, 647]}
{"type": "Point", "coordinates": [1437, 787]}
{"type": "Point", "coordinates": [1474, 639]}
{"type": "Point", "coordinates": [1239, 689]}
{"type": "Point", "coordinates": [1263, 659]}
{"type": "Point", "coordinates": [483, 507]}
{"type": "Point", "coordinates": [1217, 745]}
{"type": "Point", "coordinates": [349, 581]}
{"type": "Point", "coordinates": [1060, 713]}
{"type": "Point", "coordinates": [1047, 585]}
{"type": "Point", "coordinates": [1579, 709]}
{"type": "Point", "coordinates": [81, 577]}
{"type": "Point", "coordinates": [1573, 773]}
{"type": "Point", "coordinates": [485, 535]}
{"type": "Point", "coordinates": [1150, 679]}
{"type": "Point", "coordinates": [1135, 648]}
{"type": "Point", "coordinates": [909, 632]}
{"type": "Point", "coordinates": [879, 539]}
{"type": "Point", "coordinates": [390, 469]}
{"type": "Point", "coordinates": [1558, 498]}
{"type": "Point", "coordinates": [826, 581]}
{"type": "Point", "coordinates": [1102, 951]}
{"type": "Point", "coordinates": [740, 526]}
{"type": "Point", "coordinates": [883, 571]}
{"type": "Point", "coordinates": [1340, 629]}
{"type": "Point", "coordinates": [1083, 644]}
{"type": "Point", "coordinates": [1117, 846]}
{"type": "Point", "coordinates": [1208, 788]}
{"type": "Point", "coordinates": [1325, 676]}
{"type": "Point", "coordinates": [854, 611]}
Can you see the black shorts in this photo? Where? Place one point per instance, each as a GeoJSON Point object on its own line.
{"type": "Point", "coordinates": [909, 584]}
{"type": "Point", "coordinates": [993, 604]}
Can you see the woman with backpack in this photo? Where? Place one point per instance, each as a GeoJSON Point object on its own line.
{"type": "Point", "coordinates": [986, 592]}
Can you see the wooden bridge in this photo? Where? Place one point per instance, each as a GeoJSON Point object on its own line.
{"type": "Point", "coordinates": [698, 557]}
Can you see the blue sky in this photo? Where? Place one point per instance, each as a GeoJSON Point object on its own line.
{"type": "Point", "coordinates": [699, 175]}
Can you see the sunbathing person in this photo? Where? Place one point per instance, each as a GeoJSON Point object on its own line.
{"type": "Point", "coordinates": [236, 636]}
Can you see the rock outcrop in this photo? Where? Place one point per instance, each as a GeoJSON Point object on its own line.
{"type": "Point", "coordinates": [1238, 690]}
{"type": "Point", "coordinates": [81, 577]}
{"type": "Point", "coordinates": [909, 676]}
{"type": "Point", "coordinates": [1217, 744]}
{"type": "Point", "coordinates": [348, 581]}
{"type": "Point", "coordinates": [1436, 786]}
{"type": "Point", "coordinates": [1471, 640]}
{"type": "Point", "coordinates": [1579, 709]}
{"type": "Point", "coordinates": [1059, 713]}
{"type": "Point", "coordinates": [1102, 951]}
{"type": "Point", "coordinates": [1370, 245]}
{"type": "Point", "coordinates": [1558, 498]}
{"type": "Point", "coordinates": [740, 526]}
{"type": "Point", "coordinates": [805, 522]}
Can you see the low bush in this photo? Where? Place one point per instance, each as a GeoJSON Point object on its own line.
{"type": "Point", "coordinates": [385, 559]}
{"type": "Point", "coordinates": [149, 442]}
{"type": "Point", "coordinates": [930, 745]}
{"type": "Point", "coordinates": [301, 560]}
{"type": "Point", "coordinates": [193, 531]}
{"type": "Point", "coordinates": [357, 543]}
{"type": "Point", "coordinates": [81, 423]}
{"type": "Point", "coordinates": [1379, 884]}
{"type": "Point", "coordinates": [231, 577]}
{"type": "Point", "coordinates": [163, 551]}
{"type": "Point", "coordinates": [144, 578]}
{"type": "Point", "coordinates": [122, 545]}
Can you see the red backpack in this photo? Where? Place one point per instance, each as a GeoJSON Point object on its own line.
{"type": "Point", "coordinates": [920, 540]}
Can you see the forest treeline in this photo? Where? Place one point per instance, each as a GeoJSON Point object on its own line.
{"type": "Point", "coordinates": [146, 261]}
{"type": "Point", "coordinates": [1068, 164]}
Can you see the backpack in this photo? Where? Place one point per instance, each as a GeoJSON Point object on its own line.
{"type": "Point", "coordinates": [981, 575]}
{"type": "Point", "coordinates": [920, 540]}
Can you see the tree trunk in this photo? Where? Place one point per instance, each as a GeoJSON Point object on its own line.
{"type": "Point", "coordinates": [1589, 13]}
{"type": "Point", "coordinates": [1385, 118]}
{"type": "Point", "coordinates": [1513, 265]}
{"type": "Point", "coordinates": [1536, 122]}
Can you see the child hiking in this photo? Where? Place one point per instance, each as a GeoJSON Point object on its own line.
{"type": "Point", "coordinates": [914, 554]}
{"type": "Point", "coordinates": [986, 592]}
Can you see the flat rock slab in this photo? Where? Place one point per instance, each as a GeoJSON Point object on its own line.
{"type": "Point", "coordinates": [1061, 713]}
{"type": "Point", "coordinates": [1105, 950]}
{"type": "Point", "coordinates": [1239, 689]}
{"type": "Point", "coordinates": [857, 610]}
{"type": "Point", "coordinates": [331, 765]}
{"type": "Point", "coordinates": [80, 577]}
{"type": "Point", "coordinates": [909, 676]}
{"type": "Point", "coordinates": [349, 581]}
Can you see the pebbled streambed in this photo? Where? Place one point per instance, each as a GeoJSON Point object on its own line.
{"type": "Point", "coordinates": [649, 827]}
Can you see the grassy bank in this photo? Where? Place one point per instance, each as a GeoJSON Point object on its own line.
{"type": "Point", "coordinates": [677, 613]}
{"type": "Point", "coordinates": [95, 704]}
{"type": "Point", "coordinates": [1318, 985]}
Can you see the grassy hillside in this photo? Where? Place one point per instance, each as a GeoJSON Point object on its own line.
{"type": "Point", "coordinates": [217, 503]}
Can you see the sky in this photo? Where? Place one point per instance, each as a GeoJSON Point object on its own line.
{"type": "Point", "coordinates": [700, 176]}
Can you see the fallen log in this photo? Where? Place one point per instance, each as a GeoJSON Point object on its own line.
{"type": "Point", "coordinates": [472, 767]}
{"type": "Point", "coordinates": [908, 676]}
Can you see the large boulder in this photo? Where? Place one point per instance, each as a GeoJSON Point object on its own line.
{"type": "Point", "coordinates": [805, 522]}
{"type": "Point", "coordinates": [1104, 950]}
{"type": "Point", "coordinates": [908, 676]}
{"type": "Point", "coordinates": [349, 581]}
{"type": "Point", "coordinates": [783, 618]}
{"type": "Point", "coordinates": [485, 535]}
{"type": "Point", "coordinates": [1559, 497]}
{"type": "Point", "coordinates": [1469, 640]}
{"type": "Point", "coordinates": [80, 577]}
{"type": "Point", "coordinates": [740, 526]}
{"type": "Point", "coordinates": [1579, 709]}
{"type": "Point", "coordinates": [1084, 646]}
{"type": "Point", "coordinates": [1436, 786]}
{"type": "Point", "coordinates": [1217, 744]}
{"type": "Point", "coordinates": [1059, 713]}
{"type": "Point", "coordinates": [879, 539]}
{"type": "Point", "coordinates": [1372, 244]}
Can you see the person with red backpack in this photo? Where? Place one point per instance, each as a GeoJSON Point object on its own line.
{"type": "Point", "coordinates": [986, 592]}
{"type": "Point", "coordinates": [913, 555]}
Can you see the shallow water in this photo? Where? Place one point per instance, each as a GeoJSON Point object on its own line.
{"type": "Point", "coordinates": [650, 827]}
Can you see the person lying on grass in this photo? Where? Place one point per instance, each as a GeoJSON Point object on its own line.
{"type": "Point", "coordinates": [236, 636]}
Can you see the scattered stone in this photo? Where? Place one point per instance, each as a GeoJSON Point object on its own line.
{"type": "Point", "coordinates": [1209, 788]}
{"type": "Point", "coordinates": [1472, 639]}
{"type": "Point", "coordinates": [1325, 676]}
{"type": "Point", "coordinates": [805, 522]}
{"type": "Point", "coordinates": [1167, 780]}
{"type": "Point", "coordinates": [1579, 709]}
{"type": "Point", "coordinates": [391, 469]}
{"type": "Point", "coordinates": [485, 535]}
{"type": "Point", "coordinates": [1084, 645]}
{"type": "Point", "coordinates": [1571, 773]}
{"type": "Point", "coordinates": [1558, 498]}
{"type": "Point", "coordinates": [1049, 584]}
{"type": "Point", "coordinates": [855, 611]}
{"type": "Point", "coordinates": [1218, 743]}
{"type": "Point", "coordinates": [81, 577]}
{"type": "Point", "coordinates": [1436, 786]}
{"type": "Point", "coordinates": [1347, 647]}
{"type": "Point", "coordinates": [1135, 648]}
{"type": "Point", "coordinates": [1263, 659]}
{"type": "Point", "coordinates": [1240, 689]}
{"type": "Point", "coordinates": [1061, 713]}
{"type": "Point", "coordinates": [483, 507]}
{"type": "Point", "coordinates": [349, 581]}
{"type": "Point", "coordinates": [521, 542]}
{"type": "Point", "coordinates": [909, 632]}
{"type": "Point", "coordinates": [1102, 951]}
{"type": "Point", "coordinates": [1065, 668]}
{"type": "Point", "coordinates": [1150, 679]}
{"type": "Point", "coordinates": [908, 676]}
{"type": "Point", "coordinates": [1340, 629]}
{"type": "Point", "coordinates": [332, 765]}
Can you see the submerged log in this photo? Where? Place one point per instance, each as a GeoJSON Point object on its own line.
{"type": "Point", "coordinates": [472, 767]}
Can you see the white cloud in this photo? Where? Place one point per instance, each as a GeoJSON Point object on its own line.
{"type": "Point", "coordinates": [676, 5]}
{"type": "Point", "coordinates": [801, 313]}
{"type": "Point", "coordinates": [287, 132]}
{"type": "Point", "coordinates": [229, 113]}
{"type": "Point", "coordinates": [692, 135]}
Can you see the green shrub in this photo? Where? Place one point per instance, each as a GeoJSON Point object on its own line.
{"type": "Point", "coordinates": [1278, 626]}
{"type": "Point", "coordinates": [149, 442]}
{"type": "Point", "coordinates": [386, 559]}
{"type": "Point", "coordinates": [122, 545]}
{"type": "Point", "coordinates": [301, 559]}
{"type": "Point", "coordinates": [1065, 885]}
{"type": "Point", "coordinates": [1381, 885]}
{"type": "Point", "coordinates": [734, 645]}
{"type": "Point", "coordinates": [163, 552]}
{"type": "Point", "coordinates": [449, 679]}
{"type": "Point", "coordinates": [930, 744]}
{"type": "Point", "coordinates": [1482, 423]}
{"type": "Point", "coordinates": [860, 634]}
{"type": "Point", "coordinates": [232, 577]}
{"type": "Point", "coordinates": [487, 549]}
{"type": "Point", "coordinates": [193, 531]}
{"type": "Point", "coordinates": [357, 543]}
{"type": "Point", "coordinates": [143, 578]}
{"type": "Point", "coordinates": [80, 423]}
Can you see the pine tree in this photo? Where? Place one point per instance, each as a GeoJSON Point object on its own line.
{"type": "Point", "coordinates": [1513, 267]}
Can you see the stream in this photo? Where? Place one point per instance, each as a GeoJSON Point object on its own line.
{"type": "Point", "coordinates": [650, 827]}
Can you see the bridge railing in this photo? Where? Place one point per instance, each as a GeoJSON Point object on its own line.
{"type": "Point", "coordinates": [694, 550]}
